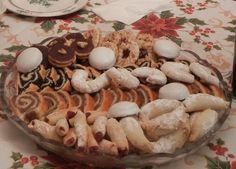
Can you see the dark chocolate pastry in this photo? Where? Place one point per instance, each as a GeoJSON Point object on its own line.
{"type": "Point", "coordinates": [82, 46]}
{"type": "Point", "coordinates": [61, 53]}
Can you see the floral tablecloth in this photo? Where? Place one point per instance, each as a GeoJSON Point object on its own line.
{"type": "Point", "coordinates": [203, 26]}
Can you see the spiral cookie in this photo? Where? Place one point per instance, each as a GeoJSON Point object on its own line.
{"type": "Point", "coordinates": [29, 105]}
{"type": "Point", "coordinates": [82, 46]}
{"type": "Point", "coordinates": [60, 53]}
{"type": "Point", "coordinates": [54, 100]}
{"type": "Point", "coordinates": [33, 80]}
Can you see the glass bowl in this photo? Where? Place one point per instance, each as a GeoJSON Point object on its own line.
{"type": "Point", "coordinates": [8, 89]}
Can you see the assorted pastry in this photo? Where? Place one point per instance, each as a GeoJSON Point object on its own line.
{"type": "Point", "coordinates": [117, 94]}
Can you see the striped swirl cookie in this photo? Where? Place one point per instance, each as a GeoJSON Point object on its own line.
{"type": "Point", "coordinates": [29, 106]}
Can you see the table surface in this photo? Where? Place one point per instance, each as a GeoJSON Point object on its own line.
{"type": "Point", "coordinates": [203, 26]}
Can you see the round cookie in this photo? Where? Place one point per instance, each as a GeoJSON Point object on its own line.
{"type": "Point", "coordinates": [166, 48]}
{"type": "Point", "coordinates": [29, 59]}
{"type": "Point", "coordinates": [102, 58]}
{"type": "Point", "coordinates": [177, 91]}
{"type": "Point", "coordinates": [82, 46]}
{"type": "Point", "coordinates": [60, 54]}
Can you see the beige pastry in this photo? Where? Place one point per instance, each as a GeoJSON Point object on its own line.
{"type": "Point", "coordinates": [81, 130]}
{"type": "Point", "coordinates": [108, 147]}
{"type": "Point", "coordinates": [44, 129]}
{"type": "Point", "coordinates": [122, 77]}
{"type": "Point", "coordinates": [81, 84]}
{"type": "Point", "coordinates": [171, 142]}
{"type": "Point", "coordinates": [135, 135]}
{"type": "Point", "coordinates": [152, 75]}
{"type": "Point", "coordinates": [123, 109]}
{"type": "Point", "coordinates": [165, 123]}
{"type": "Point", "coordinates": [157, 108]}
{"type": "Point", "coordinates": [99, 128]}
{"type": "Point", "coordinates": [117, 135]}
{"type": "Point", "coordinates": [176, 91]}
{"type": "Point", "coordinates": [201, 123]}
{"type": "Point", "coordinates": [70, 138]}
{"type": "Point", "coordinates": [204, 73]}
{"type": "Point", "coordinates": [92, 143]}
{"type": "Point", "coordinates": [62, 127]}
{"type": "Point", "coordinates": [177, 71]}
{"type": "Point", "coordinates": [200, 101]}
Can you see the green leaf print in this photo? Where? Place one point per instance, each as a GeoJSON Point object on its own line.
{"type": "Point", "coordinates": [216, 163]}
{"type": "Point", "coordinates": [181, 21]}
{"type": "Point", "coordinates": [17, 165]}
{"type": "Point", "coordinates": [45, 3]}
{"type": "Point", "coordinates": [80, 20]}
{"type": "Point", "coordinates": [178, 41]}
{"type": "Point", "coordinates": [4, 58]}
{"type": "Point", "coordinates": [230, 38]}
{"type": "Point", "coordinates": [166, 14]}
{"type": "Point", "coordinates": [16, 48]}
{"type": "Point", "coordinates": [48, 25]}
{"type": "Point", "coordinates": [118, 26]}
{"type": "Point", "coordinates": [196, 21]}
{"type": "Point", "coordinates": [45, 166]}
{"type": "Point", "coordinates": [229, 28]}
{"type": "Point", "coordinates": [16, 156]}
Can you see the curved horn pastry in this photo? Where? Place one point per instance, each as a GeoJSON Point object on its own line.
{"type": "Point", "coordinates": [44, 129]}
{"type": "Point", "coordinates": [204, 73]}
{"type": "Point", "coordinates": [122, 109]}
{"type": "Point", "coordinates": [170, 142]}
{"type": "Point", "coordinates": [201, 123]}
{"type": "Point", "coordinates": [158, 107]}
{"type": "Point", "coordinates": [200, 101]}
{"type": "Point", "coordinates": [165, 123]}
{"type": "Point", "coordinates": [177, 71]}
{"type": "Point", "coordinates": [117, 135]}
{"type": "Point", "coordinates": [80, 83]}
{"type": "Point", "coordinates": [123, 78]}
{"type": "Point", "coordinates": [135, 134]}
{"type": "Point", "coordinates": [152, 75]}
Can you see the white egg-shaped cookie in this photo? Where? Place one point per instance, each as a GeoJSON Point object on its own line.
{"type": "Point", "coordinates": [177, 91]}
{"type": "Point", "coordinates": [29, 59]}
{"type": "Point", "coordinates": [123, 109]}
{"type": "Point", "coordinates": [166, 48]}
{"type": "Point", "coordinates": [102, 58]}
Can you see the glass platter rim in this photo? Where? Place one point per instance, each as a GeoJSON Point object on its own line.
{"type": "Point", "coordinates": [131, 159]}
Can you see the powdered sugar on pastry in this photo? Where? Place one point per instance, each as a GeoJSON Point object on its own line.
{"type": "Point", "coordinates": [135, 134]}
{"type": "Point", "coordinates": [123, 77]}
{"type": "Point", "coordinates": [170, 142]}
{"type": "Point", "coordinates": [166, 123]}
{"type": "Point", "coordinates": [80, 83]}
{"type": "Point", "coordinates": [177, 71]}
{"type": "Point", "coordinates": [158, 107]}
{"type": "Point", "coordinates": [122, 109]}
{"type": "Point", "coordinates": [200, 101]}
{"type": "Point", "coordinates": [152, 75]}
{"type": "Point", "coordinates": [204, 73]}
{"type": "Point", "coordinates": [44, 129]}
{"type": "Point", "coordinates": [201, 123]}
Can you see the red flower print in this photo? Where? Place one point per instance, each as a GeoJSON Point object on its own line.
{"type": "Point", "coordinates": [33, 158]}
{"type": "Point", "coordinates": [24, 160]}
{"type": "Point", "coordinates": [221, 150]}
{"type": "Point", "coordinates": [230, 155]}
{"type": "Point", "coordinates": [156, 26]}
{"type": "Point", "coordinates": [34, 163]}
{"type": "Point", "coordinates": [233, 165]}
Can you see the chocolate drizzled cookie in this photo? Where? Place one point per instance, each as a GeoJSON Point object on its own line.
{"type": "Point", "coordinates": [61, 52]}
{"type": "Point", "coordinates": [80, 44]}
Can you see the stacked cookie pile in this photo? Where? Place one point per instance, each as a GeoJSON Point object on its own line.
{"type": "Point", "coordinates": [116, 94]}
